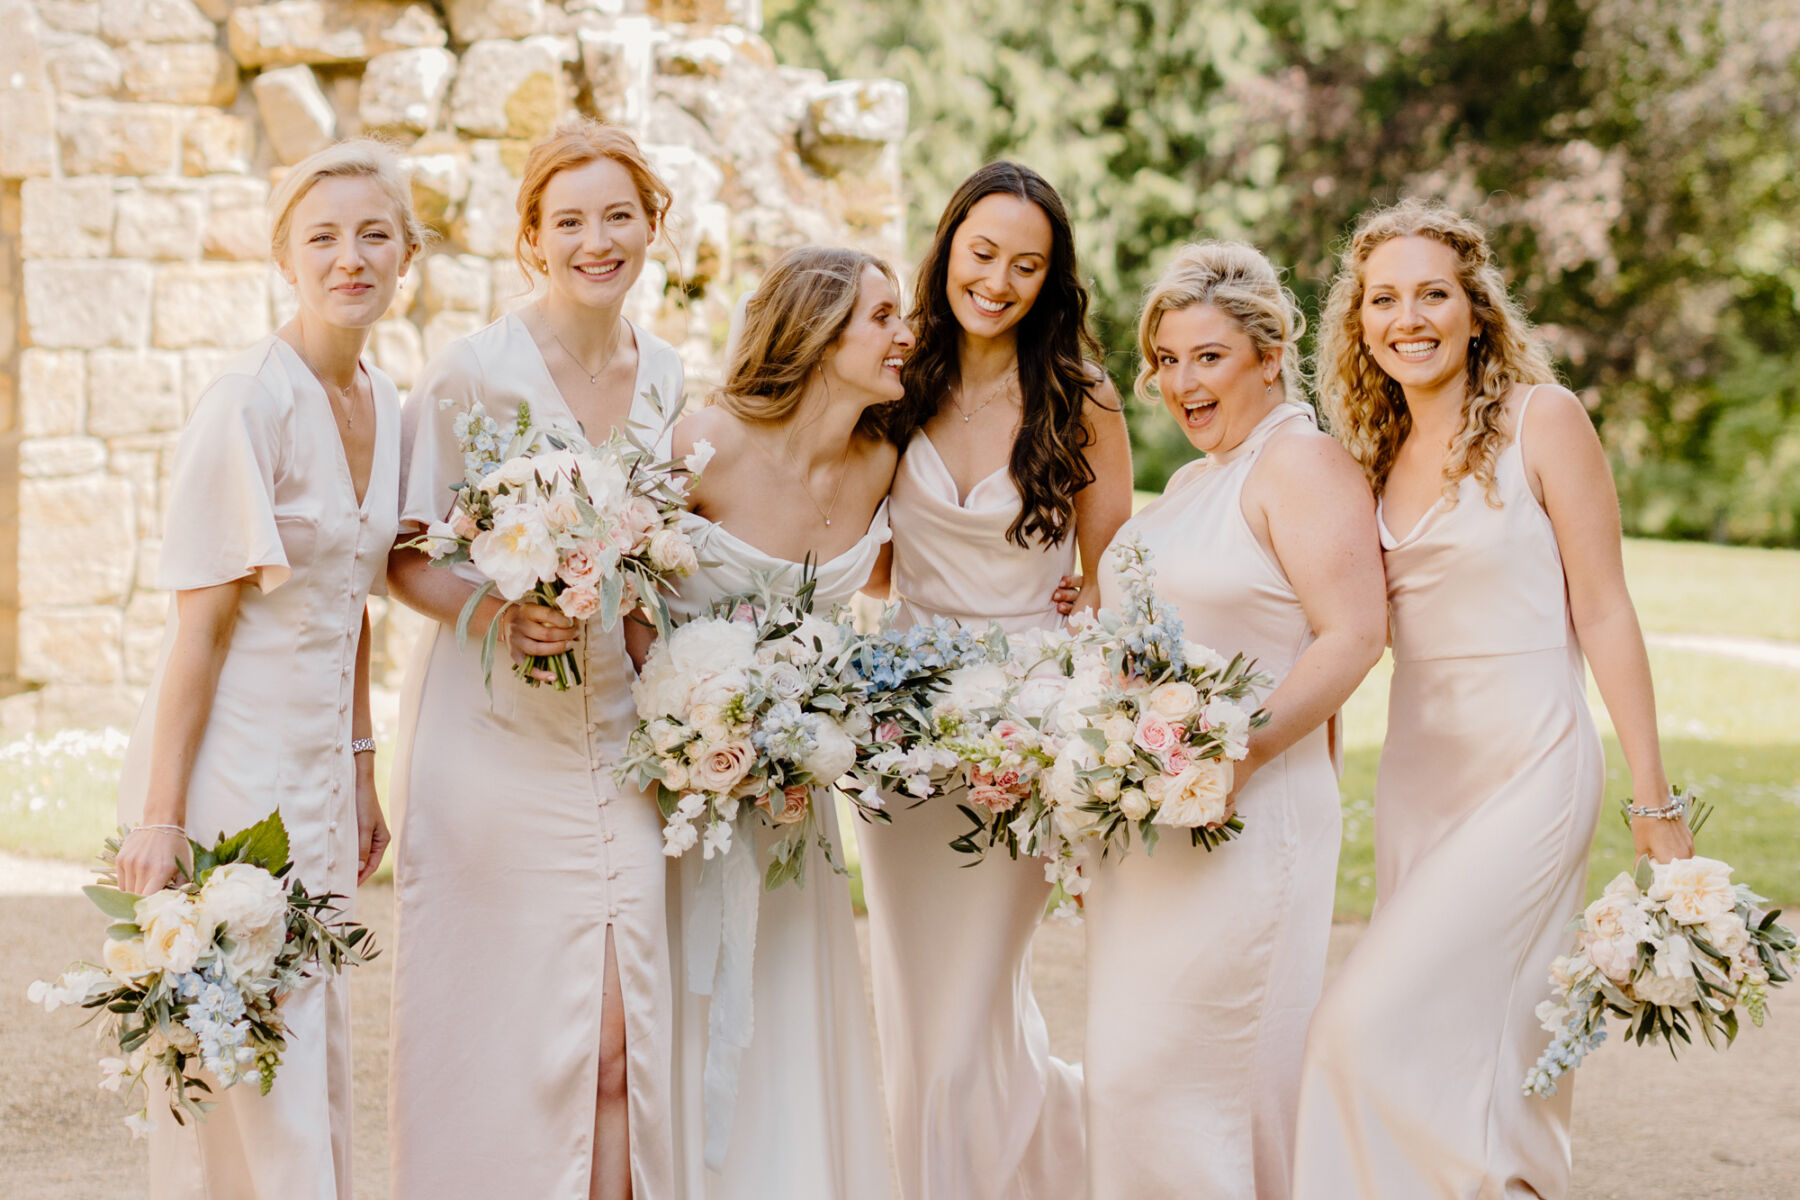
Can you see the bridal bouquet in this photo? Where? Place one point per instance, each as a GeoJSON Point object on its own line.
{"type": "Point", "coordinates": [191, 977]}
{"type": "Point", "coordinates": [1133, 728]}
{"type": "Point", "coordinates": [592, 530]}
{"type": "Point", "coordinates": [1674, 947]}
{"type": "Point", "coordinates": [749, 712]}
{"type": "Point", "coordinates": [902, 676]}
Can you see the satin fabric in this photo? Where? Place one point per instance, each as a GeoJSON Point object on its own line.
{"type": "Point", "coordinates": [261, 491]}
{"type": "Point", "coordinates": [1203, 968]}
{"type": "Point", "coordinates": [1485, 804]}
{"type": "Point", "coordinates": [517, 853]}
{"type": "Point", "coordinates": [979, 1107]}
{"type": "Point", "coordinates": [806, 1123]}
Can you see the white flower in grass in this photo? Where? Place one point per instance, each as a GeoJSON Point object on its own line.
{"type": "Point", "coordinates": [518, 553]}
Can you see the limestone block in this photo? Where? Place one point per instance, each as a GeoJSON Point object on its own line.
{"type": "Point", "coordinates": [66, 218]}
{"type": "Point", "coordinates": [296, 116]}
{"type": "Point", "coordinates": [138, 461]}
{"type": "Point", "coordinates": [180, 73]}
{"type": "Point", "coordinates": [398, 350]}
{"type": "Point", "coordinates": [488, 221]}
{"type": "Point", "coordinates": [478, 20]}
{"type": "Point", "coordinates": [618, 63]}
{"type": "Point", "coordinates": [705, 12]}
{"type": "Point", "coordinates": [80, 65]}
{"type": "Point", "coordinates": [849, 122]}
{"type": "Point", "coordinates": [134, 22]}
{"type": "Point", "coordinates": [694, 178]}
{"type": "Point", "coordinates": [71, 645]}
{"type": "Point", "coordinates": [216, 143]}
{"type": "Point", "coordinates": [703, 56]}
{"type": "Point", "coordinates": [509, 89]}
{"type": "Point", "coordinates": [446, 327]}
{"type": "Point", "coordinates": [459, 282]}
{"type": "Point", "coordinates": [405, 89]}
{"type": "Point", "coordinates": [70, 16]}
{"type": "Point", "coordinates": [100, 137]}
{"type": "Point", "coordinates": [149, 552]}
{"type": "Point", "coordinates": [145, 619]}
{"type": "Point", "coordinates": [159, 222]}
{"type": "Point", "coordinates": [52, 392]}
{"type": "Point", "coordinates": [85, 304]}
{"type": "Point", "coordinates": [329, 31]}
{"type": "Point", "coordinates": [27, 105]}
{"type": "Point", "coordinates": [237, 221]}
{"type": "Point", "coordinates": [77, 539]}
{"type": "Point", "coordinates": [282, 299]}
{"type": "Point", "coordinates": [438, 165]}
{"type": "Point", "coordinates": [52, 458]}
{"type": "Point", "coordinates": [511, 289]}
{"type": "Point", "coordinates": [211, 304]}
{"type": "Point", "coordinates": [133, 392]}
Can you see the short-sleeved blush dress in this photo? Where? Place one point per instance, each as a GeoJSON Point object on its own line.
{"type": "Point", "coordinates": [262, 493]}
{"type": "Point", "coordinates": [518, 852]}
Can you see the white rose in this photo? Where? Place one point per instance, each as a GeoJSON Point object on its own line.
{"type": "Point", "coordinates": [671, 551]}
{"type": "Point", "coordinates": [1204, 658]}
{"type": "Point", "coordinates": [1107, 789]}
{"type": "Point", "coordinates": [1134, 803]}
{"type": "Point", "coordinates": [834, 752]}
{"type": "Point", "coordinates": [1197, 796]}
{"type": "Point", "coordinates": [514, 473]}
{"type": "Point", "coordinates": [172, 939]}
{"type": "Point", "coordinates": [254, 956]}
{"type": "Point", "coordinates": [127, 959]}
{"type": "Point", "coordinates": [1119, 754]}
{"type": "Point", "coordinates": [1174, 701]}
{"type": "Point", "coordinates": [243, 899]}
{"type": "Point", "coordinates": [518, 553]}
{"type": "Point", "coordinates": [1693, 890]}
{"type": "Point", "coordinates": [665, 735]}
{"type": "Point", "coordinates": [784, 681]}
{"type": "Point", "coordinates": [675, 775]}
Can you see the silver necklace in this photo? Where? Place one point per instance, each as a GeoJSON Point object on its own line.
{"type": "Point", "coordinates": [347, 394]}
{"type": "Point", "coordinates": [1003, 389]}
{"type": "Point", "coordinates": [593, 376]}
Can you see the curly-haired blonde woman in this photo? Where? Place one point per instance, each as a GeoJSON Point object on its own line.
{"type": "Point", "coordinates": [1500, 531]}
{"type": "Point", "coordinates": [1203, 968]}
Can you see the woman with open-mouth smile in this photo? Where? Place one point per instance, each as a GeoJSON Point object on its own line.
{"type": "Point", "coordinates": [1015, 457]}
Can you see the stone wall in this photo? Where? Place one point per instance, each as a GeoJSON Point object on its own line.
{"type": "Point", "coordinates": [138, 141]}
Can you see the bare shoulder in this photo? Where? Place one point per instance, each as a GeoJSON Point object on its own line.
{"type": "Point", "coordinates": [710, 424]}
{"type": "Point", "coordinates": [1553, 411]}
{"type": "Point", "coordinates": [1311, 459]}
{"type": "Point", "coordinates": [1101, 392]}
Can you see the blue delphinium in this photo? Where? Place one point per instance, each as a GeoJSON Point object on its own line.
{"type": "Point", "coordinates": [782, 735]}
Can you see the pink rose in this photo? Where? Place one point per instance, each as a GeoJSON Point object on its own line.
{"type": "Point", "coordinates": [582, 603]}
{"type": "Point", "coordinates": [1155, 735]}
{"type": "Point", "coordinates": [994, 799]}
{"type": "Point", "coordinates": [794, 799]}
{"type": "Point", "coordinates": [581, 566]}
{"type": "Point", "coordinates": [463, 525]}
{"type": "Point", "coordinates": [888, 731]}
{"type": "Point", "coordinates": [1010, 733]}
{"type": "Point", "coordinates": [1176, 761]}
{"type": "Point", "coordinates": [638, 519]}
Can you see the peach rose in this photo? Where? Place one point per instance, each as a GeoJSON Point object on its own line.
{"type": "Point", "coordinates": [1154, 734]}
{"type": "Point", "coordinates": [1173, 701]}
{"type": "Point", "coordinates": [1197, 796]}
{"type": "Point", "coordinates": [722, 767]}
{"type": "Point", "coordinates": [794, 799]}
{"type": "Point", "coordinates": [582, 603]}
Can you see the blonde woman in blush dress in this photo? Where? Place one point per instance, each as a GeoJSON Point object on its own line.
{"type": "Point", "coordinates": [531, 977]}
{"type": "Point", "coordinates": [281, 510]}
{"type": "Point", "coordinates": [777, 1092]}
{"type": "Point", "coordinates": [1500, 530]}
{"type": "Point", "coordinates": [1204, 967]}
{"type": "Point", "coordinates": [1016, 455]}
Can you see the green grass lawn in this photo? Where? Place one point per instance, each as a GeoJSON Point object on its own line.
{"type": "Point", "coordinates": [1730, 728]}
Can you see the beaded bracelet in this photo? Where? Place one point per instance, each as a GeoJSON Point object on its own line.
{"type": "Point", "coordinates": [363, 746]}
{"type": "Point", "coordinates": [1672, 811]}
{"type": "Point", "coordinates": [164, 828]}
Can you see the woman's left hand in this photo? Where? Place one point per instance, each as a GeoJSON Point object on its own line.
{"type": "Point", "coordinates": [1662, 840]}
{"type": "Point", "coordinates": [371, 826]}
{"type": "Point", "coordinates": [1068, 588]}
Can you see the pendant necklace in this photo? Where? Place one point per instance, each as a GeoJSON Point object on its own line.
{"type": "Point", "coordinates": [1001, 390]}
{"type": "Point", "coordinates": [347, 395]}
{"type": "Point", "coordinates": [593, 376]}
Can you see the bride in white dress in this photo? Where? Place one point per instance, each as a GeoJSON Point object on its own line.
{"type": "Point", "coordinates": [780, 1097]}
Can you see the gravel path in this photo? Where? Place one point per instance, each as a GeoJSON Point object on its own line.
{"type": "Point", "coordinates": [1646, 1128]}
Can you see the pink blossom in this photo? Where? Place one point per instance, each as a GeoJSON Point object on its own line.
{"type": "Point", "coordinates": [888, 731]}
{"type": "Point", "coordinates": [1010, 733]}
{"type": "Point", "coordinates": [582, 603]}
{"type": "Point", "coordinates": [463, 525]}
{"type": "Point", "coordinates": [1155, 735]}
{"type": "Point", "coordinates": [1176, 761]}
{"type": "Point", "coordinates": [994, 799]}
{"type": "Point", "coordinates": [581, 566]}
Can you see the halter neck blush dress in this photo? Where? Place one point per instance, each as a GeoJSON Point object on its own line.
{"type": "Point", "coordinates": [1485, 804]}
{"type": "Point", "coordinates": [1203, 968]}
{"type": "Point", "coordinates": [518, 853]}
{"type": "Point", "coordinates": [261, 492]}
{"type": "Point", "coordinates": [804, 1121]}
{"type": "Point", "coordinates": [980, 1109]}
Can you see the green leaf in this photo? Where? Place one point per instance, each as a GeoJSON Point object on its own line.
{"type": "Point", "coordinates": [468, 613]}
{"type": "Point", "coordinates": [612, 595]}
{"type": "Point", "coordinates": [117, 904]}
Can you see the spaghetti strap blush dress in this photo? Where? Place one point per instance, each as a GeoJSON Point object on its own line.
{"type": "Point", "coordinates": [518, 854]}
{"type": "Point", "coordinates": [980, 1109]}
{"type": "Point", "coordinates": [1485, 803]}
{"type": "Point", "coordinates": [779, 1100]}
{"type": "Point", "coordinates": [262, 492]}
{"type": "Point", "coordinates": [1203, 968]}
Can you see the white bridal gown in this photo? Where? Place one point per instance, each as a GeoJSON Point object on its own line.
{"type": "Point", "coordinates": [806, 1120]}
{"type": "Point", "coordinates": [980, 1109]}
{"type": "Point", "coordinates": [261, 493]}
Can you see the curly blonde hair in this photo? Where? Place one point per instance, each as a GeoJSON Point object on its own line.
{"type": "Point", "coordinates": [1240, 281]}
{"type": "Point", "coordinates": [1367, 408]}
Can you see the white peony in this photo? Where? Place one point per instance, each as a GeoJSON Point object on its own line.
{"type": "Point", "coordinates": [172, 938]}
{"type": "Point", "coordinates": [253, 956]}
{"type": "Point", "coordinates": [1039, 694]}
{"type": "Point", "coordinates": [1672, 981]}
{"type": "Point", "coordinates": [1204, 658]}
{"type": "Point", "coordinates": [1231, 723]}
{"type": "Point", "coordinates": [695, 653]}
{"type": "Point", "coordinates": [244, 899]}
{"type": "Point", "coordinates": [1693, 890]}
{"type": "Point", "coordinates": [671, 551]}
{"type": "Point", "coordinates": [973, 688]}
{"type": "Point", "coordinates": [833, 752]}
{"type": "Point", "coordinates": [518, 553]}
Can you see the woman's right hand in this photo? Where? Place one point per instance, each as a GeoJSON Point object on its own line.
{"type": "Point", "coordinates": [533, 630]}
{"type": "Point", "coordinates": [149, 860]}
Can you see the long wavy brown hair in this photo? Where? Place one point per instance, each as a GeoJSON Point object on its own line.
{"type": "Point", "coordinates": [1366, 406]}
{"type": "Point", "coordinates": [1049, 461]}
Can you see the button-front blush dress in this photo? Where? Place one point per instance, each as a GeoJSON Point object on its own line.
{"type": "Point", "coordinates": [1485, 804]}
{"type": "Point", "coordinates": [517, 853]}
{"type": "Point", "coordinates": [1203, 968]}
{"type": "Point", "coordinates": [979, 1108]}
{"type": "Point", "coordinates": [261, 491]}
